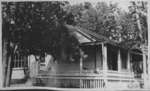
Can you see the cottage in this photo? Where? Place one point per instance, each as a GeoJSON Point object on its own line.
{"type": "Point", "coordinates": [105, 65]}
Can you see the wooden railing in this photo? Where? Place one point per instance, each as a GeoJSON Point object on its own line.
{"type": "Point", "coordinates": [120, 75]}
{"type": "Point", "coordinates": [20, 62]}
{"type": "Point", "coordinates": [87, 80]}
{"type": "Point", "coordinates": [72, 81]}
{"type": "Point", "coordinates": [93, 83]}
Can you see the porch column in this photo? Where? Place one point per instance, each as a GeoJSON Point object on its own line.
{"type": "Point", "coordinates": [105, 68]}
{"type": "Point", "coordinates": [144, 71]}
{"type": "Point", "coordinates": [119, 60]}
{"type": "Point", "coordinates": [128, 61]}
{"type": "Point", "coordinates": [81, 60]}
{"type": "Point", "coordinates": [81, 66]}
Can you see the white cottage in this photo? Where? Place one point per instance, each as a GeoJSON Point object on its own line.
{"type": "Point", "coordinates": [106, 65]}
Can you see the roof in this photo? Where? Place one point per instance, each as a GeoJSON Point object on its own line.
{"type": "Point", "coordinates": [85, 34]}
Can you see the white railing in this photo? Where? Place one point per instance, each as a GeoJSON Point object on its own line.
{"type": "Point", "coordinates": [122, 75]}
{"type": "Point", "coordinates": [93, 83]}
{"type": "Point", "coordinates": [87, 80]}
{"type": "Point", "coordinates": [20, 62]}
{"type": "Point", "coordinates": [72, 81]}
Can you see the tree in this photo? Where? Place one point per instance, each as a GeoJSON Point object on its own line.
{"type": "Point", "coordinates": [111, 21]}
{"type": "Point", "coordinates": [138, 11]}
{"type": "Point", "coordinates": [136, 25]}
{"type": "Point", "coordinates": [99, 19]}
{"type": "Point", "coordinates": [36, 28]}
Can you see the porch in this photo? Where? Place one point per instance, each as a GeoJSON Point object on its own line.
{"type": "Point", "coordinates": [90, 80]}
{"type": "Point", "coordinates": [94, 72]}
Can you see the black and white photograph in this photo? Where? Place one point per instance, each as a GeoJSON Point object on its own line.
{"type": "Point", "coordinates": [75, 45]}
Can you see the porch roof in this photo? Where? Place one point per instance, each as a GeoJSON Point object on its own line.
{"type": "Point", "coordinates": [88, 37]}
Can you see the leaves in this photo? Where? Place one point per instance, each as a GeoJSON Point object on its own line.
{"type": "Point", "coordinates": [38, 27]}
{"type": "Point", "coordinates": [110, 21]}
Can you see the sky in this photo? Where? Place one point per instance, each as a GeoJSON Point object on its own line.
{"type": "Point", "coordinates": [121, 3]}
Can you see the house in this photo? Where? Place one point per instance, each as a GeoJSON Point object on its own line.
{"type": "Point", "coordinates": [105, 65]}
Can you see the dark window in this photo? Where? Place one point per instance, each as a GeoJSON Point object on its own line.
{"type": "Point", "coordinates": [89, 61]}
{"type": "Point", "coordinates": [112, 53]}
{"type": "Point", "coordinates": [124, 59]}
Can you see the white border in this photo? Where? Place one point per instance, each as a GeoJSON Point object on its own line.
{"type": "Point", "coordinates": [48, 88]}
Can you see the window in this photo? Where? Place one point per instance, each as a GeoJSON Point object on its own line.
{"type": "Point", "coordinates": [89, 61]}
{"type": "Point", "coordinates": [124, 57]}
{"type": "Point", "coordinates": [112, 56]}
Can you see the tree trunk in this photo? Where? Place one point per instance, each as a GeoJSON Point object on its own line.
{"type": "Point", "coordinates": [7, 62]}
{"type": "Point", "coordinates": [10, 55]}
{"type": "Point", "coordinates": [139, 26]}
{"type": "Point", "coordinates": [4, 60]}
{"type": "Point", "coordinates": [9, 71]}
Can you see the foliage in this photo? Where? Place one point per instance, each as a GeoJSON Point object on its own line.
{"type": "Point", "coordinates": [113, 22]}
{"type": "Point", "coordinates": [37, 27]}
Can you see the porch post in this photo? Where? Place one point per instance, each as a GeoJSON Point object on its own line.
{"type": "Point", "coordinates": [81, 60]}
{"type": "Point", "coordinates": [119, 60]}
{"type": "Point", "coordinates": [105, 68]}
{"type": "Point", "coordinates": [1, 63]}
{"type": "Point", "coordinates": [128, 61]}
{"type": "Point", "coordinates": [81, 66]}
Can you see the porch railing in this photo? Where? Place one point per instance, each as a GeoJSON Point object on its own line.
{"type": "Point", "coordinates": [20, 62]}
{"type": "Point", "coordinates": [93, 83]}
{"type": "Point", "coordinates": [71, 81]}
{"type": "Point", "coordinates": [86, 80]}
